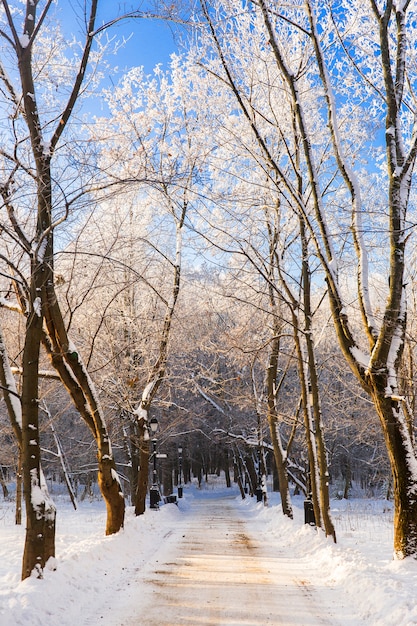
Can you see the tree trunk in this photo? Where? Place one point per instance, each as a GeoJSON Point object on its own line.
{"type": "Point", "coordinates": [143, 476]}
{"type": "Point", "coordinates": [134, 452]}
{"type": "Point", "coordinates": [14, 408]}
{"type": "Point", "coordinates": [167, 486]}
{"type": "Point", "coordinates": [112, 494]}
{"type": "Point", "coordinates": [402, 460]}
{"type": "Point", "coordinates": [312, 483]}
{"type": "Point", "coordinates": [280, 466]}
{"type": "Point", "coordinates": [323, 469]}
{"type": "Point", "coordinates": [348, 479]}
{"type": "Point", "coordinates": [279, 454]}
{"type": "Point", "coordinates": [251, 473]}
{"type": "Point", "coordinates": [19, 480]}
{"type": "Point", "coordinates": [3, 484]}
{"type": "Point", "coordinates": [66, 360]}
{"type": "Point", "coordinates": [227, 468]}
{"type": "Point", "coordinates": [238, 476]}
{"type": "Point", "coordinates": [40, 511]}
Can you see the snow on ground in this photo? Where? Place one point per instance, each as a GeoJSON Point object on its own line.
{"type": "Point", "coordinates": [93, 571]}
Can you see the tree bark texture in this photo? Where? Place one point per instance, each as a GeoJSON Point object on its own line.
{"type": "Point", "coordinates": [323, 468]}
{"type": "Point", "coordinates": [143, 475]}
{"type": "Point", "coordinates": [40, 511]}
{"type": "Point", "coordinates": [402, 460]}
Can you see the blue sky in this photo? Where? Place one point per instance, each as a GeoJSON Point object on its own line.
{"type": "Point", "coordinates": [150, 41]}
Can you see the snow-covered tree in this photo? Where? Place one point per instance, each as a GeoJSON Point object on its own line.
{"type": "Point", "coordinates": [150, 149]}
{"type": "Point", "coordinates": [42, 79]}
{"type": "Point", "coordinates": [358, 62]}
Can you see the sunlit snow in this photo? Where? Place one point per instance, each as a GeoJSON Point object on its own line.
{"type": "Point", "coordinates": [93, 580]}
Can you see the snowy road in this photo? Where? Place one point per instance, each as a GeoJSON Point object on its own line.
{"type": "Point", "coordinates": [213, 571]}
{"type": "Point", "coordinates": [215, 559]}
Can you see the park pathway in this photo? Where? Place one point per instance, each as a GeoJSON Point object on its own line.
{"type": "Point", "coordinates": [214, 572]}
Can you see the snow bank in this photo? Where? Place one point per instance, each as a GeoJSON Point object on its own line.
{"type": "Point", "coordinates": [360, 567]}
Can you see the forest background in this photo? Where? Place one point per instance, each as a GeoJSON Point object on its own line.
{"type": "Point", "coordinates": [224, 243]}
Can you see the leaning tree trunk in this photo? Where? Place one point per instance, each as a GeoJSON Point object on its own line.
{"type": "Point", "coordinates": [157, 373]}
{"type": "Point", "coordinates": [71, 370]}
{"type": "Point", "coordinates": [403, 466]}
{"type": "Point", "coordinates": [40, 512]}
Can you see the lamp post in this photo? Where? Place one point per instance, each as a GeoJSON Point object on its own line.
{"type": "Point", "coordinates": [154, 491]}
{"type": "Point", "coordinates": [179, 471]}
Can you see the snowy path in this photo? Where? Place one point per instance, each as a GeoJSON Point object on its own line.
{"type": "Point", "coordinates": [212, 560]}
{"type": "Point", "coordinates": [215, 572]}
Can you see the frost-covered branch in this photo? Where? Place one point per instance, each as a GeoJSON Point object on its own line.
{"type": "Point", "coordinates": [351, 182]}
